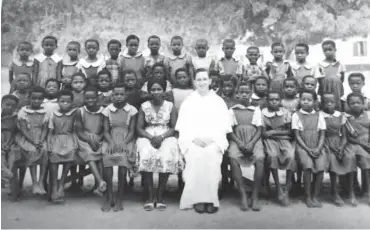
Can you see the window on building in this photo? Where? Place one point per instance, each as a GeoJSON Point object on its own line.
{"type": "Point", "coordinates": [360, 49]}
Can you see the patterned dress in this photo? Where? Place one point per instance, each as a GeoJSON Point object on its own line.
{"type": "Point", "coordinates": [166, 159]}
{"type": "Point", "coordinates": [63, 142]}
{"type": "Point", "coordinates": [46, 68]}
{"type": "Point", "coordinates": [150, 60]}
{"type": "Point", "coordinates": [245, 121]}
{"type": "Point", "coordinates": [252, 72]}
{"type": "Point", "coordinates": [119, 122]}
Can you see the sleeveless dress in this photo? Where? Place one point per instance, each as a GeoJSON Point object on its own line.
{"type": "Point", "coordinates": [359, 129]}
{"type": "Point", "coordinates": [63, 143]}
{"type": "Point", "coordinates": [166, 159]}
{"type": "Point", "coordinates": [308, 125]}
{"type": "Point", "coordinates": [334, 123]}
{"type": "Point", "coordinates": [246, 120]}
{"type": "Point", "coordinates": [8, 128]}
{"type": "Point", "coordinates": [119, 122]}
{"type": "Point", "coordinates": [92, 123]}
{"type": "Point", "coordinates": [35, 120]}
{"type": "Point", "coordinates": [280, 152]}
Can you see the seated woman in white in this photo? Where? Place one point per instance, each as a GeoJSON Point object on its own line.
{"type": "Point", "coordinates": [203, 124]}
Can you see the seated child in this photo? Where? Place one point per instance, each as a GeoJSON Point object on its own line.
{"type": "Point", "coordinates": [182, 89]}
{"type": "Point", "coordinates": [78, 86]}
{"type": "Point", "coordinates": [356, 82]}
{"type": "Point", "coordinates": [291, 96]}
{"type": "Point", "coordinates": [228, 83]}
{"type": "Point", "coordinates": [243, 91]}
{"type": "Point", "coordinates": [260, 88]}
{"type": "Point", "coordinates": [50, 102]}
{"type": "Point", "coordinates": [158, 71]}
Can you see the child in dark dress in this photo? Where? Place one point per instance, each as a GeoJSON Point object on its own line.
{"type": "Point", "coordinates": [69, 64]}
{"type": "Point", "coordinates": [105, 89]}
{"type": "Point", "coordinates": [113, 63]}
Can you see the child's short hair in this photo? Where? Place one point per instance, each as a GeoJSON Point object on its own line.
{"type": "Point", "coordinates": [214, 73]}
{"type": "Point", "coordinates": [132, 37]}
{"type": "Point", "coordinates": [201, 40]}
{"type": "Point", "coordinates": [274, 92]}
{"type": "Point", "coordinates": [228, 77]}
{"type": "Point", "coordinates": [261, 78]}
{"type": "Point", "coordinates": [312, 92]}
{"type": "Point", "coordinates": [119, 85]}
{"type": "Point", "coordinates": [308, 76]}
{"type": "Point", "coordinates": [228, 41]}
{"type": "Point", "coordinates": [304, 45]}
{"type": "Point", "coordinates": [76, 43]}
{"type": "Point", "coordinates": [253, 48]}
{"type": "Point", "coordinates": [177, 38]}
{"type": "Point", "coordinates": [37, 89]}
{"type": "Point", "coordinates": [129, 71]}
{"type": "Point", "coordinates": [181, 70]}
{"type": "Point", "coordinates": [355, 95]}
{"type": "Point", "coordinates": [353, 75]}
{"type": "Point", "coordinates": [275, 44]}
{"type": "Point", "coordinates": [115, 42]}
{"type": "Point", "coordinates": [79, 74]}
{"type": "Point", "coordinates": [50, 37]}
{"type": "Point", "coordinates": [91, 88]}
{"type": "Point", "coordinates": [328, 42]}
{"type": "Point", "coordinates": [25, 43]}
{"type": "Point", "coordinates": [154, 37]}
{"type": "Point", "coordinates": [290, 79]}
{"type": "Point", "coordinates": [10, 97]}
{"type": "Point", "coordinates": [160, 82]}
{"type": "Point", "coordinates": [105, 71]}
{"type": "Point", "coordinates": [52, 80]}
{"type": "Point", "coordinates": [92, 40]}
{"type": "Point", "coordinates": [66, 92]}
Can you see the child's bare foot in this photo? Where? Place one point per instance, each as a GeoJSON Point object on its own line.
{"type": "Point", "coordinates": [255, 205]}
{"type": "Point", "coordinates": [118, 207]}
{"type": "Point", "coordinates": [36, 189]}
{"type": "Point", "coordinates": [309, 203]}
{"type": "Point", "coordinates": [61, 193]}
{"type": "Point", "coordinates": [316, 203]}
{"type": "Point", "coordinates": [337, 200]}
{"type": "Point", "coordinates": [42, 189]}
{"type": "Point", "coordinates": [244, 203]}
{"type": "Point", "coordinates": [285, 201]}
{"type": "Point", "coordinates": [352, 201]}
{"type": "Point", "coordinates": [106, 206]}
{"type": "Point", "coordinates": [102, 186]}
{"type": "Point", "coordinates": [6, 173]}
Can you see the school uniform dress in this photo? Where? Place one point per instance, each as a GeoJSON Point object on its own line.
{"type": "Point", "coordinates": [135, 63]}
{"type": "Point", "coordinates": [119, 122]}
{"type": "Point", "coordinates": [309, 126]}
{"type": "Point", "coordinates": [17, 67]}
{"type": "Point", "coordinates": [245, 121]}
{"type": "Point", "coordinates": [115, 69]}
{"type": "Point", "coordinates": [47, 68]}
{"type": "Point", "coordinates": [280, 152]}
{"type": "Point", "coordinates": [35, 120]}
{"type": "Point", "coordinates": [78, 99]}
{"type": "Point", "coordinates": [91, 69]}
{"type": "Point", "coordinates": [290, 104]}
{"type": "Point", "coordinates": [24, 99]}
{"type": "Point", "coordinates": [92, 123]}
{"type": "Point", "coordinates": [104, 98]}
{"type": "Point", "coordinates": [301, 70]}
{"type": "Point", "coordinates": [177, 62]}
{"type": "Point", "coordinates": [277, 73]}
{"type": "Point", "coordinates": [334, 124]}
{"type": "Point", "coordinates": [8, 129]}
{"type": "Point", "coordinates": [207, 63]}
{"type": "Point", "coordinates": [359, 128]}
{"type": "Point", "coordinates": [179, 95]}
{"type": "Point", "coordinates": [63, 144]}
{"type": "Point", "coordinates": [231, 66]}
{"type": "Point", "coordinates": [68, 69]}
{"type": "Point", "coordinates": [150, 60]}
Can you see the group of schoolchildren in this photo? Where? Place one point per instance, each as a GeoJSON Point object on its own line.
{"type": "Point", "coordinates": [286, 116]}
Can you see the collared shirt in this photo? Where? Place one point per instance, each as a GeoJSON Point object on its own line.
{"type": "Point", "coordinates": [322, 70]}
{"type": "Point", "coordinates": [297, 123]}
{"type": "Point", "coordinates": [206, 63]}
{"type": "Point", "coordinates": [42, 57]}
{"type": "Point", "coordinates": [231, 66]}
{"type": "Point", "coordinates": [301, 70]}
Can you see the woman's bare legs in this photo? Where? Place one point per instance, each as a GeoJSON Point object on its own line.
{"type": "Point", "coordinates": [162, 182]}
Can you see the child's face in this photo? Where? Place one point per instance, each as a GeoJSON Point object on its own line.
{"type": "Point", "coordinates": [156, 90]}
{"type": "Point", "coordinates": [91, 98]}
{"type": "Point", "coordinates": [307, 101]}
{"type": "Point", "coordinates": [73, 51]}
{"type": "Point", "coordinates": [104, 81]}
{"type": "Point", "coordinates": [182, 79]}
{"type": "Point", "coordinates": [290, 88]}
{"type": "Point", "coordinates": [176, 46]}
{"type": "Point", "coordinates": [228, 88]}
{"type": "Point", "coordinates": [260, 86]}
{"type": "Point", "coordinates": [92, 49]}
{"type": "Point", "coordinates": [355, 104]}
{"type": "Point", "coordinates": [274, 101]}
{"type": "Point", "coordinates": [8, 106]}
{"type": "Point", "coordinates": [36, 100]}
{"type": "Point", "coordinates": [158, 72]}
{"type": "Point", "coordinates": [52, 88]}
{"type": "Point", "coordinates": [65, 102]}
{"type": "Point", "coordinates": [215, 82]}
{"type": "Point", "coordinates": [356, 84]}
{"type": "Point", "coordinates": [154, 44]}
{"type": "Point", "coordinates": [49, 45]}
{"type": "Point", "coordinates": [310, 83]}
{"type": "Point", "coordinates": [22, 82]}
{"type": "Point", "coordinates": [228, 49]}
{"type": "Point", "coordinates": [278, 53]}
{"type": "Point", "coordinates": [329, 102]}
{"type": "Point", "coordinates": [132, 46]}
{"type": "Point", "coordinates": [24, 51]}
{"type": "Point", "coordinates": [300, 53]}
{"type": "Point", "coordinates": [130, 80]}
{"type": "Point", "coordinates": [201, 49]}
{"type": "Point", "coordinates": [114, 50]}
{"type": "Point", "coordinates": [253, 55]}
{"type": "Point", "coordinates": [244, 92]}
{"type": "Point", "coordinates": [329, 51]}
{"type": "Point", "coordinates": [119, 95]}
{"type": "Point", "coordinates": [78, 83]}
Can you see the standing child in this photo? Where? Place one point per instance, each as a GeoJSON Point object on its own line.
{"type": "Point", "coordinates": [260, 88]}
{"type": "Point", "coordinates": [301, 67]}
{"type": "Point", "coordinates": [158, 71]}
{"type": "Point", "coordinates": [356, 82]}
{"type": "Point", "coordinates": [277, 134]}
{"type": "Point", "coordinates": [23, 85]}
{"type": "Point", "coordinates": [246, 149]}
{"type": "Point", "coordinates": [228, 65]}
{"type": "Point", "coordinates": [113, 63]}
{"type": "Point", "coordinates": [21, 64]}
{"type": "Point", "coordinates": [89, 130]}
{"type": "Point", "coordinates": [279, 69]}
{"type": "Point", "coordinates": [251, 69]}
{"type": "Point", "coordinates": [92, 64]}
{"type": "Point", "coordinates": [309, 128]}
{"type": "Point", "coordinates": [358, 130]}
{"type": "Point", "coordinates": [178, 59]}
{"type": "Point", "coordinates": [183, 87]}
{"type": "Point", "coordinates": [50, 102]}
{"type": "Point", "coordinates": [78, 86]}
{"type": "Point", "coordinates": [69, 64]}
{"type": "Point", "coordinates": [105, 89]}
{"type": "Point", "coordinates": [47, 64]}
{"type": "Point", "coordinates": [154, 44]}
{"type": "Point", "coordinates": [330, 73]}
{"type": "Point", "coordinates": [202, 61]}
{"type": "Point", "coordinates": [118, 147]}
{"type": "Point", "coordinates": [62, 143]}
{"type": "Point", "coordinates": [342, 161]}
{"type": "Point", "coordinates": [133, 59]}
{"type": "Point", "coordinates": [228, 83]}
{"type": "Point", "coordinates": [32, 123]}
{"type": "Point", "coordinates": [291, 97]}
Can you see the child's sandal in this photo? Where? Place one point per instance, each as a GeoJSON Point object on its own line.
{"type": "Point", "coordinates": [149, 206]}
{"type": "Point", "coordinates": [161, 206]}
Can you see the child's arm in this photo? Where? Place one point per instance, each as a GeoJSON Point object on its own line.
{"type": "Point", "coordinates": [131, 133]}
{"type": "Point", "coordinates": [59, 71]}
{"type": "Point", "coordinates": [254, 140]}
{"type": "Point", "coordinates": [11, 73]}
{"type": "Point", "coordinates": [317, 150]}
{"type": "Point", "coordinates": [80, 129]}
{"type": "Point", "coordinates": [107, 135]}
{"type": "Point", "coordinates": [343, 138]}
{"type": "Point", "coordinates": [35, 73]}
{"type": "Point", "coordinates": [140, 127]}
{"type": "Point", "coordinates": [300, 141]}
{"type": "Point", "coordinates": [168, 96]}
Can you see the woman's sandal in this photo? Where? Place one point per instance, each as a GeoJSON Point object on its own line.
{"type": "Point", "coordinates": [161, 206]}
{"type": "Point", "coordinates": [149, 206]}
